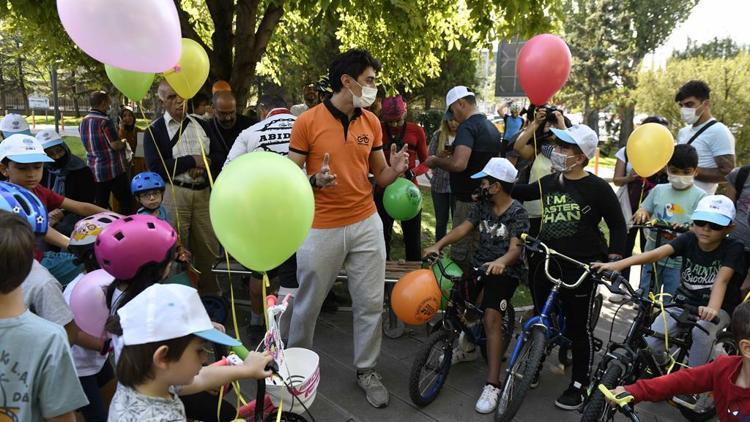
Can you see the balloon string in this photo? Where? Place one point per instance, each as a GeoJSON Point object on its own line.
{"type": "Point", "coordinates": [539, 183]}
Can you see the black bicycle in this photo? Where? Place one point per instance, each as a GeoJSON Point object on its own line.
{"type": "Point", "coordinates": [433, 361]}
{"type": "Point", "coordinates": [627, 361]}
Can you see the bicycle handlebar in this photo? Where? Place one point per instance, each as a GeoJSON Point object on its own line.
{"type": "Point", "coordinates": [536, 245]}
{"type": "Point", "coordinates": [661, 226]}
{"type": "Point", "coordinates": [622, 402]}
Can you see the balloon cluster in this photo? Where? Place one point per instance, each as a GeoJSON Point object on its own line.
{"type": "Point", "coordinates": [105, 31]}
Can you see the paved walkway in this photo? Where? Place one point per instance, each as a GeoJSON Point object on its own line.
{"type": "Point", "coordinates": [339, 398]}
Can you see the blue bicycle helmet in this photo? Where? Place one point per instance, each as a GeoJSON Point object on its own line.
{"type": "Point", "coordinates": [18, 200]}
{"type": "Point", "coordinates": [145, 181]}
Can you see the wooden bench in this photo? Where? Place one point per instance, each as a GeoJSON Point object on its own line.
{"type": "Point", "coordinates": [394, 270]}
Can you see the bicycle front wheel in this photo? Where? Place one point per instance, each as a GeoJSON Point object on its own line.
{"type": "Point", "coordinates": [521, 374]}
{"type": "Point", "coordinates": [430, 368]}
{"type": "Point", "coordinates": [597, 408]}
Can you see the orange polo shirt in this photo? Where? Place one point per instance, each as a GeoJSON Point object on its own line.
{"type": "Point", "coordinates": [324, 129]}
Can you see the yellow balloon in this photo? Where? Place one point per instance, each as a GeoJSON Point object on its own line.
{"type": "Point", "coordinates": [649, 148]}
{"type": "Point", "coordinates": [188, 76]}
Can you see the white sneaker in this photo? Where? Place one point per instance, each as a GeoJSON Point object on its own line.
{"type": "Point", "coordinates": [488, 400]}
{"type": "Point", "coordinates": [616, 298]}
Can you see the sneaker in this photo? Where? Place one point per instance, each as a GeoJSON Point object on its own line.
{"type": "Point", "coordinates": [375, 391]}
{"type": "Point", "coordinates": [572, 398]}
{"type": "Point", "coordinates": [686, 400]}
{"type": "Point", "coordinates": [461, 355]}
{"type": "Point", "coordinates": [488, 400]}
{"type": "Point", "coordinates": [616, 298]}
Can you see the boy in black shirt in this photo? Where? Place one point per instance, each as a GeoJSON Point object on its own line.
{"type": "Point", "coordinates": [574, 202]}
{"type": "Point", "coordinates": [712, 271]}
{"type": "Point", "coordinates": [499, 221]}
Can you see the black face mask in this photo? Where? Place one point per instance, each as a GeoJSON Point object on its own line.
{"type": "Point", "coordinates": [62, 161]}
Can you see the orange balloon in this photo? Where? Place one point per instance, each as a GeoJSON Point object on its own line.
{"type": "Point", "coordinates": [416, 297]}
{"type": "Point", "coordinates": [221, 86]}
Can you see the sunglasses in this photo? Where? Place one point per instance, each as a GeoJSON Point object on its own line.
{"type": "Point", "coordinates": [712, 226]}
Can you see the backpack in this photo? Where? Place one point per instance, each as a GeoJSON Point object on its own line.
{"type": "Point", "coordinates": [739, 182]}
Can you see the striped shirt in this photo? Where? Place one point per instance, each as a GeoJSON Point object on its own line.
{"type": "Point", "coordinates": [189, 143]}
{"type": "Point", "coordinates": [440, 181]}
{"type": "Point", "coordinates": [97, 132]}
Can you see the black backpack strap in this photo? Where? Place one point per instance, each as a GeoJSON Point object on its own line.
{"type": "Point", "coordinates": [739, 182]}
{"type": "Point", "coordinates": [703, 129]}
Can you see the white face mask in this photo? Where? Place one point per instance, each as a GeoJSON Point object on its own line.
{"type": "Point", "coordinates": [560, 162]}
{"type": "Point", "coordinates": [681, 182]}
{"type": "Point", "coordinates": [689, 115]}
{"type": "Point", "coordinates": [368, 96]}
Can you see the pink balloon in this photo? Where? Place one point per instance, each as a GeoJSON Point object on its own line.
{"type": "Point", "coordinates": [89, 302]}
{"type": "Point", "coordinates": [139, 35]}
{"type": "Point", "coordinates": [543, 67]}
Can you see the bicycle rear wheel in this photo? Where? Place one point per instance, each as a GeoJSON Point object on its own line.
{"type": "Point", "coordinates": [521, 374]}
{"type": "Point", "coordinates": [430, 368]}
{"type": "Point", "coordinates": [597, 408]}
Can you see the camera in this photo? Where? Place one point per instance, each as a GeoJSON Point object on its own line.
{"type": "Point", "coordinates": [550, 110]}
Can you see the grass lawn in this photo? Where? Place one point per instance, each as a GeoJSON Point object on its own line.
{"type": "Point", "coordinates": [75, 145]}
{"type": "Point", "coordinates": [74, 121]}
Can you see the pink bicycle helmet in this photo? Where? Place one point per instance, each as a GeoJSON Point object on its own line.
{"type": "Point", "coordinates": [125, 246]}
{"type": "Point", "coordinates": [86, 230]}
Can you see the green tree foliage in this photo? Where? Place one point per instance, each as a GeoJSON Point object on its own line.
{"type": "Point", "coordinates": [729, 80]}
{"type": "Point", "coordinates": [717, 48]}
{"type": "Point", "coordinates": [609, 39]}
{"type": "Point", "coordinates": [408, 36]}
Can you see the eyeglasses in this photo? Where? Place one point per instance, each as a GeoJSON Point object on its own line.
{"type": "Point", "coordinates": [151, 194]}
{"type": "Point", "coordinates": [712, 226]}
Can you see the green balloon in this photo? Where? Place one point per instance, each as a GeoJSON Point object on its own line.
{"type": "Point", "coordinates": [134, 85]}
{"type": "Point", "coordinates": [451, 269]}
{"type": "Point", "coordinates": [261, 209]}
{"type": "Point", "coordinates": [402, 199]}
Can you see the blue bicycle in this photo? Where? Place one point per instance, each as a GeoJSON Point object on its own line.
{"type": "Point", "coordinates": [540, 335]}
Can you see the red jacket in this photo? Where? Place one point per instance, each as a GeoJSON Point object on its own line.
{"type": "Point", "coordinates": [414, 137]}
{"type": "Point", "coordinates": [719, 376]}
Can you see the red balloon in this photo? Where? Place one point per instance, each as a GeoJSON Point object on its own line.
{"type": "Point", "coordinates": [543, 67]}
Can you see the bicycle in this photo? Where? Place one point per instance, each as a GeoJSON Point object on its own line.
{"type": "Point", "coordinates": [663, 231]}
{"type": "Point", "coordinates": [540, 334]}
{"type": "Point", "coordinates": [622, 402]}
{"type": "Point", "coordinates": [625, 362]}
{"type": "Point", "coordinates": [293, 383]}
{"type": "Point", "coordinates": [432, 363]}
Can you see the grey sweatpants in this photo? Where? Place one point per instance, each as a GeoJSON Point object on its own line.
{"type": "Point", "coordinates": [360, 249]}
{"type": "Point", "coordinates": [703, 343]}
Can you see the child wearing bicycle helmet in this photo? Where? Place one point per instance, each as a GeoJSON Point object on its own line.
{"type": "Point", "coordinates": [728, 377]}
{"type": "Point", "coordinates": [500, 221]}
{"type": "Point", "coordinates": [148, 188]}
{"type": "Point", "coordinates": [38, 378]}
{"type": "Point", "coordinates": [165, 332]}
{"type": "Point", "coordinates": [92, 361]}
{"type": "Point", "coordinates": [574, 203]}
{"type": "Point", "coordinates": [42, 293]}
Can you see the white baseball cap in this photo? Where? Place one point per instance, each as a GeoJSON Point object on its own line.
{"type": "Point", "coordinates": [14, 123]}
{"type": "Point", "coordinates": [49, 138]}
{"type": "Point", "coordinates": [455, 94]}
{"type": "Point", "coordinates": [500, 169]}
{"type": "Point", "coordinates": [165, 312]}
{"type": "Point", "coordinates": [580, 135]}
{"type": "Point", "coordinates": [715, 209]}
{"type": "Point", "coordinates": [23, 149]}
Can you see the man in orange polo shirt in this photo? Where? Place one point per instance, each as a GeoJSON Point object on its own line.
{"type": "Point", "coordinates": [340, 143]}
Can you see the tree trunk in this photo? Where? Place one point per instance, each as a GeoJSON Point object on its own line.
{"type": "Point", "coordinates": [428, 102]}
{"type": "Point", "coordinates": [3, 102]}
{"type": "Point", "coordinates": [22, 85]}
{"type": "Point", "coordinates": [627, 113]}
{"type": "Point", "coordinates": [591, 119]}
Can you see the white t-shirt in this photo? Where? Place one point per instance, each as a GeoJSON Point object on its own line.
{"type": "Point", "coordinates": [620, 155]}
{"type": "Point", "coordinates": [272, 134]}
{"type": "Point", "coordinates": [715, 141]}
{"type": "Point", "coordinates": [88, 362]}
